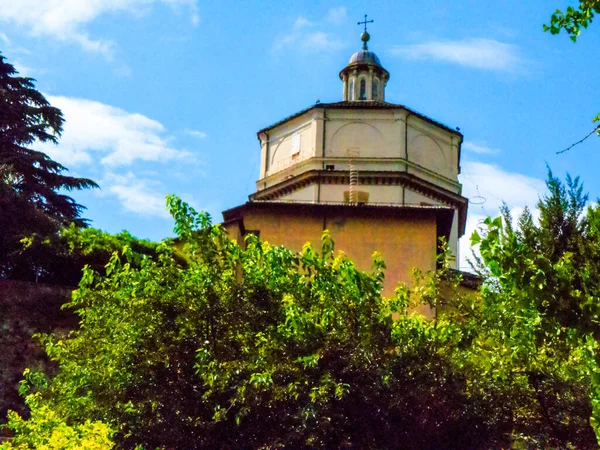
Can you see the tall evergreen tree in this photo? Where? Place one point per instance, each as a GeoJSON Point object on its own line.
{"type": "Point", "coordinates": [559, 253]}
{"type": "Point", "coordinates": [32, 185]}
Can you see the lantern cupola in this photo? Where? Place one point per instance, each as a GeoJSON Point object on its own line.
{"type": "Point", "coordinates": [364, 77]}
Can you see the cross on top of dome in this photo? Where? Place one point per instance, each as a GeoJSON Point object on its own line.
{"type": "Point", "coordinates": [364, 35]}
{"type": "Point", "coordinates": [364, 78]}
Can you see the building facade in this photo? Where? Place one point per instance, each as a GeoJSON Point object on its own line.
{"type": "Point", "coordinates": [379, 176]}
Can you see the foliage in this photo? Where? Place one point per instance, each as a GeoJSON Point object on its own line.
{"type": "Point", "coordinates": [259, 347]}
{"type": "Point", "coordinates": [552, 269]}
{"type": "Point", "coordinates": [32, 185]}
{"type": "Point", "coordinates": [554, 263]}
{"type": "Point", "coordinates": [573, 19]}
{"type": "Point", "coordinates": [46, 430]}
{"type": "Point", "coordinates": [27, 309]}
{"type": "Point", "coordinates": [59, 258]}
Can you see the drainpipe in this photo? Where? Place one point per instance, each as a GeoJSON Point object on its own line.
{"type": "Point", "coordinates": [323, 165]}
{"type": "Point", "coordinates": [268, 155]}
{"type": "Point", "coordinates": [405, 154]}
{"type": "Point", "coordinates": [322, 155]}
{"type": "Point", "coordinates": [324, 129]}
{"type": "Point", "coordinates": [319, 189]}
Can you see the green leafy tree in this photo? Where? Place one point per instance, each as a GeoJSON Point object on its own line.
{"type": "Point", "coordinates": [572, 20]}
{"type": "Point", "coordinates": [555, 261]}
{"type": "Point", "coordinates": [32, 185]}
{"type": "Point", "coordinates": [45, 430]}
{"type": "Point", "coordinates": [260, 347]}
{"type": "Point", "coordinates": [552, 268]}
{"type": "Point", "coordinates": [59, 258]}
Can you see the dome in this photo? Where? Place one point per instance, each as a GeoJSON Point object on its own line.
{"type": "Point", "coordinates": [364, 77]}
{"type": "Point", "coordinates": [365, 57]}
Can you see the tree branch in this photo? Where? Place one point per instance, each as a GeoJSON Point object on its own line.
{"type": "Point", "coordinates": [580, 141]}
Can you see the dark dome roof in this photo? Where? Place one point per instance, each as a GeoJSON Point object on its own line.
{"type": "Point", "coordinates": [365, 57]}
{"type": "Point", "coordinates": [364, 60]}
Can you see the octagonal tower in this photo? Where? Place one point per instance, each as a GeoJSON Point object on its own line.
{"type": "Point", "coordinates": [379, 176]}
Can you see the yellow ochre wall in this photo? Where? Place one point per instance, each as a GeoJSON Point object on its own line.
{"type": "Point", "coordinates": [404, 242]}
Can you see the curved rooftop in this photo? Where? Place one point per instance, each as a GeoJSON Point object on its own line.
{"type": "Point", "coordinates": [365, 56]}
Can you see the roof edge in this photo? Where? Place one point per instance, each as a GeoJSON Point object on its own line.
{"type": "Point", "coordinates": [364, 104]}
{"type": "Point", "coordinates": [232, 214]}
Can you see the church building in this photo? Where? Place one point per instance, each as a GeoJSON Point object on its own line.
{"type": "Point", "coordinates": [379, 176]}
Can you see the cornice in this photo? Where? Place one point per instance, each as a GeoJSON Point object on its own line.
{"type": "Point", "coordinates": [381, 178]}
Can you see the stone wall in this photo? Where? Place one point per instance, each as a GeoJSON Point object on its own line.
{"type": "Point", "coordinates": [26, 309]}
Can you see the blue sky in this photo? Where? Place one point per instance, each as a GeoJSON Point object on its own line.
{"type": "Point", "coordinates": [166, 96]}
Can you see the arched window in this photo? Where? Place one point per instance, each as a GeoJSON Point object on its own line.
{"type": "Point", "coordinates": [363, 89]}
{"type": "Point", "coordinates": [375, 91]}
{"type": "Point", "coordinates": [351, 96]}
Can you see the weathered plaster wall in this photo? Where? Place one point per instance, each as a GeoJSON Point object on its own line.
{"type": "Point", "coordinates": [289, 143]}
{"type": "Point", "coordinates": [404, 242]}
{"type": "Point", "coordinates": [375, 139]}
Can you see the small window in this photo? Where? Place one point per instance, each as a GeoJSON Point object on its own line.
{"type": "Point", "coordinates": [363, 89]}
{"type": "Point", "coordinates": [351, 96]}
{"type": "Point", "coordinates": [296, 143]}
{"type": "Point", "coordinates": [375, 92]}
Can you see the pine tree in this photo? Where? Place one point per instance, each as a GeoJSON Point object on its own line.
{"type": "Point", "coordinates": [32, 185]}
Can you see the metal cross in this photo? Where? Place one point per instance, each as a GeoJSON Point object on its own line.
{"type": "Point", "coordinates": [365, 22]}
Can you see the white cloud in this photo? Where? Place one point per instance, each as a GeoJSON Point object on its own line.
{"type": "Point", "coordinates": [196, 133]}
{"type": "Point", "coordinates": [140, 196]}
{"type": "Point", "coordinates": [311, 42]}
{"type": "Point", "coordinates": [8, 46]}
{"type": "Point", "coordinates": [108, 137]}
{"type": "Point", "coordinates": [24, 71]}
{"type": "Point", "coordinates": [486, 54]}
{"type": "Point", "coordinates": [307, 42]}
{"type": "Point", "coordinates": [116, 136]}
{"type": "Point", "coordinates": [477, 148]}
{"type": "Point", "coordinates": [302, 22]}
{"type": "Point", "coordinates": [337, 15]}
{"type": "Point", "coordinates": [497, 185]}
{"type": "Point", "coordinates": [487, 186]}
{"type": "Point", "coordinates": [284, 41]}
{"type": "Point", "coordinates": [321, 41]}
{"type": "Point", "coordinates": [65, 20]}
{"type": "Point", "coordinates": [191, 5]}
